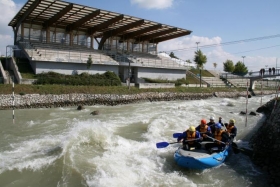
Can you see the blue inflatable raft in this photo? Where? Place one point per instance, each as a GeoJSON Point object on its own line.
{"type": "Point", "coordinates": [200, 158]}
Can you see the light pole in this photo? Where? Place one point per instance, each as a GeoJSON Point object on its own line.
{"type": "Point", "coordinates": [199, 67]}
{"type": "Point", "coordinates": [197, 45]}
{"type": "Point", "coordinates": [243, 59]}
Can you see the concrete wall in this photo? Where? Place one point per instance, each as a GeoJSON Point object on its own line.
{"type": "Point", "coordinates": [13, 66]}
{"type": "Point", "coordinates": [72, 68]}
{"type": "Point", "coordinates": [28, 81]}
{"type": "Point", "coordinates": [4, 77]}
{"type": "Point", "coordinates": [159, 73]}
{"type": "Point", "coordinates": [155, 85]}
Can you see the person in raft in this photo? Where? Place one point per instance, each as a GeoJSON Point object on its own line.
{"type": "Point", "coordinates": [204, 130]}
{"type": "Point", "coordinates": [190, 138]}
{"type": "Point", "coordinates": [231, 129]}
{"type": "Point", "coordinates": [221, 139]}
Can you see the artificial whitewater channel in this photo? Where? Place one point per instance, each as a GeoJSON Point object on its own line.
{"type": "Point", "coordinates": [66, 147]}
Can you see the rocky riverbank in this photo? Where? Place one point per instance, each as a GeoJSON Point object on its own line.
{"type": "Point", "coordinates": [65, 100]}
{"type": "Point", "coordinates": [266, 142]}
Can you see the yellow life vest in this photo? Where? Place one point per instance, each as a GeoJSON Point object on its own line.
{"type": "Point", "coordinates": [190, 136]}
{"type": "Point", "coordinates": [203, 129]}
{"type": "Point", "coordinates": [218, 136]}
{"type": "Point", "coordinates": [229, 129]}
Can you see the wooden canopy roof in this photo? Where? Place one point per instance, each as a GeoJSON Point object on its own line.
{"type": "Point", "coordinates": [95, 22]}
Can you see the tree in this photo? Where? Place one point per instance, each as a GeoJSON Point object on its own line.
{"type": "Point", "coordinates": [228, 66]}
{"type": "Point", "coordinates": [215, 65]}
{"type": "Point", "coordinates": [89, 62]}
{"type": "Point", "coordinates": [240, 69]}
{"type": "Point", "coordinates": [172, 55]}
{"type": "Point", "coordinates": [200, 59]}
{"type": "Point", "coordinates": [189, 61]}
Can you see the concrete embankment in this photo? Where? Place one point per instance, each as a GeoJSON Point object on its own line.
{"type": "Point", "coordinates": [266, 142]}
{"type": "Point", "coordinates": [65, 100]}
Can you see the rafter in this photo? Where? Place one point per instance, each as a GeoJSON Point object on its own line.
{"type": "Point", "coordinates": [157, 34]}
{"type": "Point", "coordinates": [56, 17]}
{"type": "Point", "coordinates": [161, 39]}
{"type": "Point", "coordinates": [139, 32]}
{"type": "Point", "coordinates": [105, 24]}
{"type": "Point", "coordinates": [27, 13]}
{"type": "Point", "coordinates": [82, 20]}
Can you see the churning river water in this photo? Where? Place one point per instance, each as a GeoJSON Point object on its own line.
{"type": "Point", "coordinates": [64, 147]}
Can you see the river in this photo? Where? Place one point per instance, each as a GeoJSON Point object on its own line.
{"type": "Point", "coordinates": [64, 147]}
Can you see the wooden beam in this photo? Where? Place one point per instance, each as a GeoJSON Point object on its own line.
{"type": "Point", "coordinates": [105, 24]}
{"type": "Point", "coordinates": [56, 17]}
{"type": "Point", "coordinates": [116, 31]}
{"type": "Point", "coordinates": [27, 13]}
{"type": "Point", "coordinates": [157, 40]}
{"type": "Point", "coordinates": [155, 35]}
{"type": "Point", "coordinates": [142, 31]}
{"type": "Point", "coordinates": [83, 20]}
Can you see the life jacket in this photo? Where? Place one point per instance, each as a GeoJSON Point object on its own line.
{"type": "Point", "coordinates": [190, 136]}
{"type": "Point", "coordinates": [229, 129]}
{"type": "Point", "coordinates": [218, 135]}
{"type": "Point", "coordinates": [203, 129]}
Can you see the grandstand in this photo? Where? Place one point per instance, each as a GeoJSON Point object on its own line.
{"type": "Point", "coordinates": [60, 36]}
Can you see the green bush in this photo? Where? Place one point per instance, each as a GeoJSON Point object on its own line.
{"type": "Point", "coordinates": [106, 79]}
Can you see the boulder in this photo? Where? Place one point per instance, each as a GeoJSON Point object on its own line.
{"type": "Point", "coordinates": [80, 107]}
{"type": "Point", "coordinates": [253, 113]}
{"type": "Point", "coordinates": [96, 112]}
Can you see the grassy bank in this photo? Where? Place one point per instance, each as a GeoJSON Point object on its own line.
{"type": "Point", "coordinates": [60, 89]}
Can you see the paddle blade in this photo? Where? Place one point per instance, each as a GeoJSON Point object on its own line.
{"type": "Point", "coordinates": [176, 135]}
{"type": "Point", "coordinates": [162, 144]}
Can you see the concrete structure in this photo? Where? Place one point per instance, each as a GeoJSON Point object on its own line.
{"type": "Point", "coordinates": [249, 80]}
{"type": "Point", "coordinates": [126, 45]}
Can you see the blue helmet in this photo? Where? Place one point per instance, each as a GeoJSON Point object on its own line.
{"type": "Point", "coordinates": [218, 126]}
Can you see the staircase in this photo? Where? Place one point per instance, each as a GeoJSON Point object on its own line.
{"type": "Point", "coordinates": [214, 82]}
{"type": "Point", "coordinates": [10, 77]}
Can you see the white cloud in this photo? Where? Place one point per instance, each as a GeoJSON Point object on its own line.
{"type": "Point", "coordinates": [8, 10]}
{"type": "Point", "coordinates": [153, 4]}
{"type": "Point", "coordinates": [185, 47]}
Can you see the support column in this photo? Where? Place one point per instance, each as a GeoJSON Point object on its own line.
{"type": "Point", "coordinates": [252, 84]}
{"type": "Point", "coordinates": [22, 31]}
{"type": "Point", "coordinates": [71, 36]}
{"type": "Point", "coordinates": [48, 35]}
{"type": "Point", "coordinates": [91, 42]}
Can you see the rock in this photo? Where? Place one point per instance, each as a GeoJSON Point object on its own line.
{"type": "Point", "coordinates": [96, 112]}
{"type": "Point", "coordinates": [230, 104]}
{"type": "Point", "coordinates": [80, 107]}
{"type": "Point", "coordinates": [253, 113]}
{"type": "Point", "coordinates": [242, 112]}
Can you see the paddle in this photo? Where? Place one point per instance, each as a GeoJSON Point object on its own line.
{"type": "Point", "coordinates": [234, 145]}
{"type": "Point", "coordinates": [215, 139]}
{"type": "Point", "coordinates": [165, 144]}
{"type": "Point", "coordinates": [176, 135]}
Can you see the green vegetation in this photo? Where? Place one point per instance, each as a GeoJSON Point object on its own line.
{"type": "Point", "coordinates": [106, 79]}
{"type": "Point", "coordinates": [238, 69]}
{"type": "Point", "coordinates": [61, 89]}
{"type": "Point", "coordinates": [200, 59]}
{"type": "Point", "coordinates": [204, 73]}
{"type": "Point", "coordinates": [178, 82]}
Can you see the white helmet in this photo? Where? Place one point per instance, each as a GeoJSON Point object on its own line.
{"type": "Point", "coordinates": [212, 118]}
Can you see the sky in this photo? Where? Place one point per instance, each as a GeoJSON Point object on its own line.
{"type": "Point", "coordinates": [237, 30]}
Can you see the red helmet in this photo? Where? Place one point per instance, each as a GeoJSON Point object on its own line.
{"type": "Point", "coordinates": [203, 121]}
